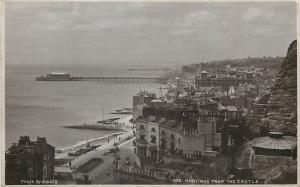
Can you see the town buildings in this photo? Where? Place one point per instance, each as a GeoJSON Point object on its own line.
{"type": "Point", "coordinates": [29, 160]}
{"type": "Point", "coordinates": [187, 128]}
{"type": "Point", "coordinates": [204, 80]}
{"type": "Point", "coordinates": [200, 120]}
{"type": "Point", "coordinates": [204, 129]}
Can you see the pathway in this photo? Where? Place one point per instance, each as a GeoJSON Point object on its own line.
{"type": "Point", "coordinates": [99, 152]}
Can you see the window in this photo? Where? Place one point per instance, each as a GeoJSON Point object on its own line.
{"type": "Point", "coordinates": [142, 136]}
{"type": "Point", "coordinates": [172, 136]}
{"type": "Point", "coordinates": [153, 139]}
{"type": "Point", "coordinates": [153, 129]}
{"type": "Point", "coordinates": [172, 146]}
{"type": "Point", "coordinates": [163, 132]}
{"type": "Point", "coordinates": [163, 143]}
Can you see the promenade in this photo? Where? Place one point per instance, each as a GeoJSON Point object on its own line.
{"type": "Point", "coordinates": [122, 140]}
{"type": "Point", "coordinates": [126, 150]}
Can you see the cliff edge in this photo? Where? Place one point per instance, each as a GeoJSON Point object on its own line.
{"type": "Point", "coordinates": [282, 104]}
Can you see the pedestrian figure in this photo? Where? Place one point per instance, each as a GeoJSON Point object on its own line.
{"type": "Point", "coordinates": [107, 172]}
{"type": "Point", "coordinates": [107, 140]}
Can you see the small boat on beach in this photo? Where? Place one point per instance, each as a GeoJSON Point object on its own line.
{"type": "Point", "coordinates": [84, 150]}
{"type": "Point", "coordinates": [123, 111]}
{"type": "Point", "coordinates": [105, 121]}
{"type": "Point", "coordinates": [108, 121]}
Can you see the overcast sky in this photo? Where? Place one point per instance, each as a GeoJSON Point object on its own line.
{"type": "Point", "coordinates": [145, 33]}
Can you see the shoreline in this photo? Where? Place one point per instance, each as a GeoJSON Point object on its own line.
{"type": "Point", "coordinates": [114, 124]}
{"type": "Point", "coordinates": [60, 153]}
{"type": "Point", "coordinates": [70, 148]}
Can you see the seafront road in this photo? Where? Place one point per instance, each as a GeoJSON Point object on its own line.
{"type": "Point", "coordinates": [122, 140]}
{"type": "Point", "coordinates": [126, 150]}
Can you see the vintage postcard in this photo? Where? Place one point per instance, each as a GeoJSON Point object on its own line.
{"type": "Point", "coordinates": [149, 92]}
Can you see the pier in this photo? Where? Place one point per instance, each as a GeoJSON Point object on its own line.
{"type": "Point", "coordinates": [67, 77]}
{"type": "Point", "coordinates": [124, 79]}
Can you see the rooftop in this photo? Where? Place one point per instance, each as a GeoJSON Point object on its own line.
{"type": "Point", "coordinates": [171, 124]}
{"type": "Point", "coordinates": [231, 108]}
{"type": "Point", "coordinates": [146, 94]}
{"type": "Point", "coordinates": [141, 120]}
{"type": "Point", "coordinates": [275, 143]}
{"type": "Point", "coordinates": [25, 142]}
{"type": "Point", "coordinates": [156, 101]}
{"type": "Point", "coordinates": [63, 169]}
{"type": "Point", "coordinates": [221, 107]}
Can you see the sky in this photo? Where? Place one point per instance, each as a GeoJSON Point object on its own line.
{"type": "Point", "coordinates": [135, 33]}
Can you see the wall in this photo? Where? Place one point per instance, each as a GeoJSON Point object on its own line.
{"type": "Point", "coordinates": [193, 142]}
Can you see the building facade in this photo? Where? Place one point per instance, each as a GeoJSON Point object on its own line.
{"type": "Point", "coordinates": [27, 160]}
{"type": "Point", "coordinates": [205, 81]}
{"type": "Point", "coordinates": [139, 101]}
{"type": "Point", "coordinates": [166, 130]}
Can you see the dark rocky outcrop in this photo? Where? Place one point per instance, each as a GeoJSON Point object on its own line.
{"type": "Point", "coordinates": [282, 104]}
{"type": "Point", "coordinates": [280, 115]}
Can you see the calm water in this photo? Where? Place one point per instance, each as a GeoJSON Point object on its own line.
{"type": "Point", "coordinates": [40, 108]}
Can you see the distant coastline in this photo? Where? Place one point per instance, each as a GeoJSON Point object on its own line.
{"type": "Point", "coordinates": [149, 69]}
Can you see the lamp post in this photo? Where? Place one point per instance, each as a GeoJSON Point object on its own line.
{"type": "Point", "coordinates": [231, 151]}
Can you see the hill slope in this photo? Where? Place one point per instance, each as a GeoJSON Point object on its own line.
{"type": "Point", "coordinates": [282, 104]}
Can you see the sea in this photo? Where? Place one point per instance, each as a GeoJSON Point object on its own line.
{"type": "Point", "coordinates": [40, 108]}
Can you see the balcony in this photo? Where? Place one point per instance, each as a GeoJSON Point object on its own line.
{"type": "Point", "coordinates": [141, 143]}
{"type": "Point", "coordinates": [153, 143]}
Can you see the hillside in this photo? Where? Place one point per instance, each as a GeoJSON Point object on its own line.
{"type": "Point", "coordinates": [282, 104]}
{"type": "Point", "coordinates": [264, 62]}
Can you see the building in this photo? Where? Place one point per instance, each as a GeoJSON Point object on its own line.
{"type": "Point", "coordinates": [275, 152]}
{"type": "Point", "coordinates": [28, 160]}
{"type": "Point", "coordinates": [139, 101]}
{"type": "Point", "coordinates": [204, 75]}
{"type": "Point", "coordinates": [223, 81]}
{"type": "Point", "coordinates": [63, 173]}
{"type": "Point", "coordinates": [185, 128]}
{"type": "Point", "coordinates": [276, 144]}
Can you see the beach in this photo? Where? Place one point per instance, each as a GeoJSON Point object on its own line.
{"type": "Point", "coordinates": [123, 140]}
{"type": "Point", "coordinates": [102, 141]}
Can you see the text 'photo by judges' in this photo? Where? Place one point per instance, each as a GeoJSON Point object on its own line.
{"type": "Point", "coordinates": [149, 92]}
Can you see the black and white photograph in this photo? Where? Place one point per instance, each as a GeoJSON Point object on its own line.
{"type": "Point", "coordinates": [149, 92]}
